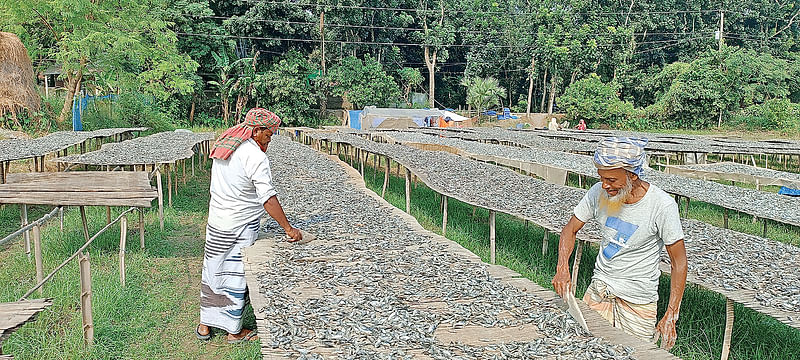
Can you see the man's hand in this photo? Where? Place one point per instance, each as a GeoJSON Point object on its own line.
{"type": "Point", "coordinates": [294, 234]}
{"type": "Point", "coordinates": [562, 282]}
{"type": "Point", "coordinates": [666, 330]}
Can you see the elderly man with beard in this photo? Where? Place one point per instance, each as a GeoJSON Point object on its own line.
{"type": "Point", "coordinates": [637, 220]}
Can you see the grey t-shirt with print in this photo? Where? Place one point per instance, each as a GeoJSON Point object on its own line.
{"type": "Point", "coordinates": [632, 241]}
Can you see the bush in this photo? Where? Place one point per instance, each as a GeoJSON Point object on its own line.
{"type": "Point", "coordinates": [775, 114]}
{"type": "Point", "coordinates": [595, 102]}
{"type": "Point", "coordinates": [127, 110]}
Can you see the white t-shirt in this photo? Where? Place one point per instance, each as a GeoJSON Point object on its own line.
{"type": "Point", "coordinates": [632, 241]}
{"type": "Point", "coordinates": [239, 187]}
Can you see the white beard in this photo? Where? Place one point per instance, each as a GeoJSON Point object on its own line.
{"type": "Point", "coordinates": [613, 204]}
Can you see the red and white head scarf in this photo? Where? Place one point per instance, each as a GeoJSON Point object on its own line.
{"type": "Point", "coordinates": [233, 137]}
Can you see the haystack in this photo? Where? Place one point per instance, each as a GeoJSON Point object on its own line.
{"type": "Point", "coordinates": [17, 91]}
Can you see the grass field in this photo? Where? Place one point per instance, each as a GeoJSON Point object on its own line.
{"type": "Point", "coordinates": [153, 317]}
{"type": "Point", "coordinates": [519, 247]}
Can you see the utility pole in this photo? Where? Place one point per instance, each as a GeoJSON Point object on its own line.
{"type": "Point", "coordinates": [323, 101]}
{"type": "Point", "coordinates": [721, 39]}
{"type": "Point", "coordinates": [721, 23]}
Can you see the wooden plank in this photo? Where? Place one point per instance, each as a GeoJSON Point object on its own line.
{"type": "Point", "coordinates": [128, 177]}
{"type": "Point", "coordinates": [15, 314]}
{"type": "Point", "coordinates": [136, 199]}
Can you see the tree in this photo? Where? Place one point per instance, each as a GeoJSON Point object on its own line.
{"type": "Point", "coordinates": [483, 93]}
{"type": "Point", "coordinates": [286, 89]}
{"type": "Point", "coordinates": [363, 82]}
{"type": "Point", "coordinates": [409, 78]}
{"type": "Point", "coordinates": [596, 102]}
{"type": "Point", "coordinates": [223, 83]}
{"type": "Point", "coordinates": [438, 33]}
{"type": "Point", "coordinates": [127, 38]}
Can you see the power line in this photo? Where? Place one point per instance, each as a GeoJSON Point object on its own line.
{"type": "Point", "coordinates": [358, 7]}
{"type": "Point", "coordinates": [395, 43]}
{"type": "Point", "coordinates": [373, 27]}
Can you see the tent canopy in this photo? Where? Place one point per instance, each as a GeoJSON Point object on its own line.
{"type": "Point", "coordinates": [374, 117]}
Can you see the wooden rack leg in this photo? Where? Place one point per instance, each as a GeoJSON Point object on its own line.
{"type": "Point", "coordinates": [408, 191]}
{"type": "Point", "coordinates": [385, 178]}
{"type": "Point", "coordinates": [545, 242]}
{"type": "Point", "coordinates": [24, 222]}
{"type": "Point", "coordinates": [492, 248]}
{"type": "Point", "coordinates": [37, 255]}
{"type": "Point", "coordinates": [361, 156]}
{"type": "Point", "coordinates": [86, 298]}
{"type": "Point", "coordinates": [444, 215]}
{"type": "Point", "coordinates": [160, 199]}
{"type": "Point", "coordinates": [123, 239]}
{"type": "Point", "coordinates": [84, 222]}
{"type": "Point", "coordinates": [725, 218]}
{"type": "Point", "coordinates": [576, 265]}
{"type": "Point", "coordinates": [169, 185]}
{"type": "Point", "coordinates": [726, 343]}
{"type": "Point", "coordinates": [141, 228]}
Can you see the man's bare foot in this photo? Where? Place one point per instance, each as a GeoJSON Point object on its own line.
{"type": "Point", "coordinates": [242, 336]}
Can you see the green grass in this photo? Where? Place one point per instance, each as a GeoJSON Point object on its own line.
{"type": "Point", "coordinates": [153, 317]}
{"type": "Point", "coordinates": [519, 247]}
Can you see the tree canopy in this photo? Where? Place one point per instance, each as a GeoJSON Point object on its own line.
{"type": "Point", "coordinates": [666, 61]}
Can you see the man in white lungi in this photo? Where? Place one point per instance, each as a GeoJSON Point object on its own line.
{"type": "Point", "coordinates": [241, 190]}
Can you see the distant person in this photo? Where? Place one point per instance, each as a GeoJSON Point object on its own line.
{"type": "Point", "coordinates": [581, 125]}
{"type": "Point", "coordinates": [564, 125]}
{"type": "Point", "coordinates": [241, 190]}
{"type": "Point", "coordinates": [553, 125]}
{"type": "Point", "coordinates": [637, 219]}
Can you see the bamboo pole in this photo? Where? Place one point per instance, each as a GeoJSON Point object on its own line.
{"type": "Point", "coordinates": [24, 222]}
{"type": "Point", "coordinates": [169, 184]}
{"type": "Point", "coordinates": [725, 218]}
{"type": "Point", "coordinates": [86, 299]}
{"type": "Point", "coordinates": [361, 156]}
{"type": "Point", "coordinates": [544, 243]}
{"type": "Point", "coordinates": [444, 215]}
{"type": "Point", "coordinates": [141, 228]}
{"type": "Point", "coordinates": [385, 178]}
{"type": "Point", "coordinates": [726, 343]}
{"type": "Point", "coordinates": [576, 265]}
{"type": "Point", "coordinates": [408, 191]}
{"type": "Point", "coordinates": [492, 250]}
{"type": "Point", "coordinates": [108, 208]}
{"type": "Point", "coordinates": [123, 238]}
{"type": "Point", "coordinates": [37, 254]}
{"type": "Point", "coordinates": [160, 197]}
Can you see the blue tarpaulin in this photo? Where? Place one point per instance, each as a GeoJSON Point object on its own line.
{"type": "Point", "coordinates": [79, 104]}
{"type": "Point", "coordinates": [355, 119]}
{"type": "Point", "coordinates": [789, 191]}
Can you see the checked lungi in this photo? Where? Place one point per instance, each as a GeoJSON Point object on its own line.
{"type": "Point", "coordinates": [638, 320]}
{"type": "Point", "coordinates": [223, 289]}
